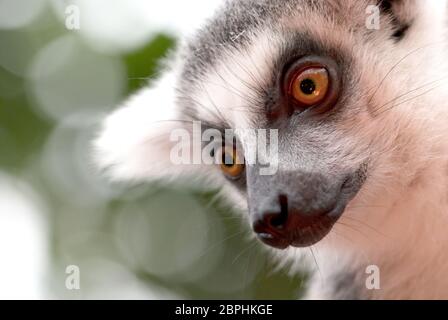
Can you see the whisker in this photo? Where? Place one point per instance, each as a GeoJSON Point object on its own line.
{"type": "Point", "coordinates": [220, 115]}
{"type": "Point", "coordinates": [398, 63]}
{"type": "Point", "coordinates": [315, 261]}
{"type": "Point", "coordinates": [352, 228]}
{"type": "Point", "coordinates": [250, 96]}
{"type": "Point", "coordinates": [411, 91]}
{"type": "Point", "coordinates": [221, 242]}
{"type": "Point", "coordinates": [363, 223]}
{"type": "Point", "coordinates": [251, 246]}
{"type": "Point", "coordinates": [410, 99]}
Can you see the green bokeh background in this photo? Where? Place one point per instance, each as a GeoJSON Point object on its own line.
{"type": "Point", "coordinates": [84, 232]}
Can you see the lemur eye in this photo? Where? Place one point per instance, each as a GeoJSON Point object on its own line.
{"type": "Point", "coordinates": [232, 164]}
{"type": "Point", "coordinates": [310, 86]}
{"type": "Point", "coordinates": [312, 82]}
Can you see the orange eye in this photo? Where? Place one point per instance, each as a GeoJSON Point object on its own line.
{"type": "Point", "coordinates": [310, 86]}
{"type": "Point", "coordinates": [232, 165]}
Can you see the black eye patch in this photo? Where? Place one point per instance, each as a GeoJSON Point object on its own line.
{"type": "Point", "coordinates": [400, 27]}
{"type": "Point", "coordinates": [400, 32]}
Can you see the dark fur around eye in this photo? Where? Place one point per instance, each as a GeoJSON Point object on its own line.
{"type": "Point", "coordinates": [400, 27]}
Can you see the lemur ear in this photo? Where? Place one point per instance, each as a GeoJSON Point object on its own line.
{"type": "Point", "coordinates": [134, 141]}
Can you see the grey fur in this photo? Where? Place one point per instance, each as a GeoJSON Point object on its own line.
{"type": "Point", "coordinates": [230, 28]}
{"type": "Point", "coordinates": [237, 17]}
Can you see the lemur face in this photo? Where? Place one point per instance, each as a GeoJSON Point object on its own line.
{"type": "Point", "coordinates": [347, 103]}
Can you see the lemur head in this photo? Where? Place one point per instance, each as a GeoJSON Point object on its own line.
{"type": "Point", "coordinates": [349, 89]}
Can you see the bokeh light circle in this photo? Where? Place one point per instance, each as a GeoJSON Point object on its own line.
{"type": "Point", "coordinates": [19, 13]}
{"type": "Point", "coordinates": [167, 235]}
{"type": "Point", "coordinates": [23, 241]}
{"type": "Point", "coordinates": [66, 77]}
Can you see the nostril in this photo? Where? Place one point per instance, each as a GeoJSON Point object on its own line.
{"type": "Point", "coordinates": [279, 220]}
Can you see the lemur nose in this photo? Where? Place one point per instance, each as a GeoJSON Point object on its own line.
{"type": "Point", "coordinates": [271, 227]}
{"type": "Point", "coordinates": [289, 226]}
{"type": "Point", "coordinates": [278, 219]}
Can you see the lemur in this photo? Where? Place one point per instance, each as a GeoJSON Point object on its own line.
{"type": "Point", "coordinates": [362, 121]}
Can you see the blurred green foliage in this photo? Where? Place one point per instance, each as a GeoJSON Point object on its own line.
{"type": "Point", "coordinates": [84, 231]}
{"type": "Point", "coordinates": [142, 64]}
